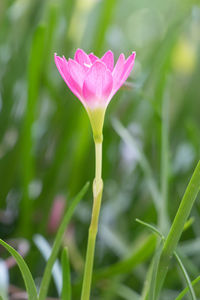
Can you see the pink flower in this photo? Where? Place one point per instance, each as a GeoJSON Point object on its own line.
{"type": "Point", "coordinates": [93, 80]}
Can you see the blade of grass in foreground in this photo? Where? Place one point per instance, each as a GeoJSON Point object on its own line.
{"type": "Point", "coordinates": [57, 243]}
{"type": "Point", "coordinates": [152, 289]}
{"type": "Point", "coordinates": [45, 249]}
{"type": "Point", "coordinates": [184, 292]}
{"type": "Point", "coordinates": [187, 278]}
{"type": "Point", "coordinates": [178, 227]}
{"type": "Point", "coordinates": [66, 279]}
{"type": "Point", "coordinates": [28, 279]}
{"type": "Point", "coordinates": [184, 271]}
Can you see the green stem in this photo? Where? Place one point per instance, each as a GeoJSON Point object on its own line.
{"type": "Point", "coordinates": [97, 194]}
{"type": "Point", "coordinates": [178, 226]}
{"type": "Point", "coordinates": [187, 278]}
{"type": "Point", "coordinates": [163, 215]}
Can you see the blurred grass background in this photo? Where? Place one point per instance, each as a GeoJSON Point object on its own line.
{"type": "Point", "coordinates": [151, 134]}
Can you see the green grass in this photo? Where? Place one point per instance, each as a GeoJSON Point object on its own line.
{"type": "Point", "coordinates": [151, 136]}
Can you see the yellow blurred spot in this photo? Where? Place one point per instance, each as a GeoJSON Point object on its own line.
{"type": "Point", "coordinates": [79, 19]}
{"type": "Point", "coordinates": [184, 57]}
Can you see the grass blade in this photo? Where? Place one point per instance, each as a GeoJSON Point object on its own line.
{"type": "Point", "coordinates": [34, 81]}
{"type": "Point", "coordinates": [187, 278]}
{"type": "Point", "coordinates": [45, 250]}
{"type": "Point", "coordinates": [57, 243]}
{"type": "Point", "coordinates": [164, 223]}
{"type": "Point", "coordinates": [184, 292]}
{"type": "Point", "coordinates": [155, 230]}
{"type": "Point", "coordinates": [152, 289]}
{"type": "Point", "coordinates": [151, 227]}
{"type": "Point", "coordinates": [66, 282]}
{"type": "Point", "coordinates": [28, 279]}
{"type": "Point", "coordinates": [178, 226]}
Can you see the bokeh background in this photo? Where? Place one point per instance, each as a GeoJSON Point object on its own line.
{"type": "Point", "coordinates": [151, 138]}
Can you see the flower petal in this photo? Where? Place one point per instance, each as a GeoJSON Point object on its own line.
{"type": "Point", "coordinates": [77, 72]}
{"type": "Point", "coordinates": [93, 57]}
{"type": "Point", "coordinates": [117, 72]}
{"type": "Point", "coordinates": [128, 66]}
{"type": "Point", "coordinates": [63, 69]}
{"type": "Point", "coordinates": [82, 58]}
{"type": "Point", "coordinates": [121, 71]}
{"type": "Point", "coordinates": [97, 85]}
{"type": "Point", "coordinates": [108, 59]}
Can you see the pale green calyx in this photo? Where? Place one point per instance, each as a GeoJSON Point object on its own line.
{"type": "Point", "coordinates": [96, 117]}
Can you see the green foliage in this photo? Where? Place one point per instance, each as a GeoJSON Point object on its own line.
{"type": "Point", "coordinates": [151, 140]}
{"type": "Point", "coordinates": [66, 278]}
{"type": "Point", "coordinates": [57, 243]}
{"type": "Point", "coordinates": [28, 279]}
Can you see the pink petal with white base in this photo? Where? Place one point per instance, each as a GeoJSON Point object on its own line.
{"type": "Point", "coordinates": [93, 80]}
{"type": "Point", "coordinates": [82, 58]}
{"type": "Point", "coordinates": [108, 59]}
{"type": "Point", "coordinates": [97, 85]}
{"type": "Point", "coordinates": [63, 69]}
{"type": "Point", "coordinates": [62, 66]}
{"type": "Point", "coordinates": [77, 72]}
{"type": "Point", "coordinates": [128, 66]}
{"type": "Point", "coordinates": [93, 58]}
{"type": "Point", "coordinates": [117, 73]}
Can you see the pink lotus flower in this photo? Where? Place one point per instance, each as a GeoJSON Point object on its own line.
{"type": "Point", "coordinates": [93, 80]}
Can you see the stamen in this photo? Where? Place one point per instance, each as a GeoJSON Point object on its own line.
{"type": "Point", "coordinates": [87, 65]}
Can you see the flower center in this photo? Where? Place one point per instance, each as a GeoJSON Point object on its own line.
{"type": "Point", "coordinates": [88, 65]}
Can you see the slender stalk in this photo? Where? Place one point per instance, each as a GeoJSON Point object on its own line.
{"type": "Point", "coordinates": [97, 194]}
{"type": "Point", "coordinates": [187, 278]}
{"type": "Point", "coordinates": [163, 215]}
{"type": "Point", "coordinates": [98, 161]}
{"type": "Point", "coordinates": [178, 226]}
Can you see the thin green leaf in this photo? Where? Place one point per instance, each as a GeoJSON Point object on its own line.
{"type": "Point", "coordinates": [57, 243]}
{"type": "Point", "coordinates": [154, 229]}
{"type": "Point", "coordinates": [45, 249]}
{"type": "Point", "coordinates": [178, 226]}
{"type": "Point", "coordinates": [187, 278]}
{"type": "Point", "coordinates": [151, 227]}
{"type": "Point", "coordinates": [66, 282]}
{"type": "Point", "coordinates": [152, 288]}
{"type": "Point", "coordinates": [189, 223]}
{"type": "Point", "coordinates": [184, 292]}
{"type": "Point", "coordinates": [28, 279]}
{"type": "Point", "coordinates": [163, 218]}
{"type": "Point", "coordinates": [34, 82]}
{"type": "Point", "coordinates": [147, 282]}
